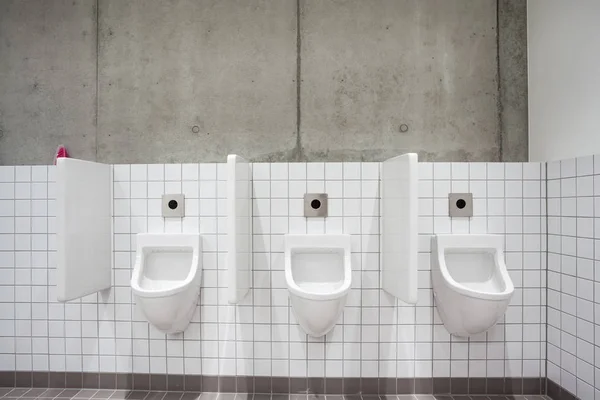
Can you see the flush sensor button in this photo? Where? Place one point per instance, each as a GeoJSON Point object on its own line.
{"type": "Point", "coordinates": [460, 204]}
{"type": "Point", "coordinates": [173, 206]}
{"type": "Point", "coordinates": [315, 205]}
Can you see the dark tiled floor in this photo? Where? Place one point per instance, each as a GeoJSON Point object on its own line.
{"type": "Point", "coordinates": [75, 394]}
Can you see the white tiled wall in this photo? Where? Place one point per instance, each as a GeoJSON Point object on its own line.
{"type": "Point", "coordinates": [573, 275]}
{"type": "Point", "coordinates": [375, 337]}
{"type": "Point", "coordinates": [508, 199]}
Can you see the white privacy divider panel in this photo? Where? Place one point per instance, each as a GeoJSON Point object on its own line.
{"type": "Point", "coordinates": [239, 227]}
{"type": "Point", "coordinates": [84, 234]}
{"type": "Point", "coordinates": [399, 226]}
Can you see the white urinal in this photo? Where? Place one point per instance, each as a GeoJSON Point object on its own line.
{"type": "Point", "coordinates": [471, 286]}
{"type": "Point", "coordinates": [318, 273]}
{"type": "Point", "coordinates": [166, 279]}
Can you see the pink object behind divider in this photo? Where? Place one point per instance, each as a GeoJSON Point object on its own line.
{"type": "Point", "coordinates": [61, 152]}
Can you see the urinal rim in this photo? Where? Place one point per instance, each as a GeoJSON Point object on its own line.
{"type": "Point", "coordinates": [189, 279]}
{"type": "Point", "coordinates": [296, 290]}
{"type": "Point", "coordinates": [324, 241]}
{"type": "Point", "coordinates": [485, 242]}
{"type": "Point", "coordinates": [195, 267]}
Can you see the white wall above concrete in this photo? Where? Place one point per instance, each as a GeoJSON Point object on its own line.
{"type": "Point", "coordinates": [564, 78]}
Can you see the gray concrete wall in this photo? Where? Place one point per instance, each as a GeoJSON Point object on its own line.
{"type": "Point", "coordinates": [512, 56]}
{"type": "Point", "coordinates": [194, 80]}
{"type": "Point", "coordinates": [47, 79]}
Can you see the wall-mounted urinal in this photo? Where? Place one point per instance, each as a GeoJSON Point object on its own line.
{"type": "Point", "coordinates": [318, 274]}
{"type": "Point", "coordinates": [471, 286]}
{"type": "Point", "coordinates": [166, 279]}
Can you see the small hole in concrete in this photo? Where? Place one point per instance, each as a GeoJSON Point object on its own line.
{"type": "Point", "coordinates": [460, 203]}
{"type": "Point", "coordinates": [315, 204]}
{"type": "Point", "coordinates": [173, 204]}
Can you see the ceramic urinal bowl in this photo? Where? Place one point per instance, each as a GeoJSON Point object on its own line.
{"type": "Point", "coordinates": [318, 274]}
{"type": "Point", "coordinates": [166, 279]}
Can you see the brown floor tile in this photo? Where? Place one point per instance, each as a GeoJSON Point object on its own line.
{"type": "Point", "coordinates": [192, 383]}
{"type": "Point", "coordinates": [137, 395]}
{"type": "Point", "coordinates": [119, 395]}
{"type": "Point", "coordinates": [107, 381]}
{"type": "Point", "coordinates": [227, 384]}
{"type": "Point", "coordinates": [73, 380]}
{"type": "Point", "coordinates": [141, 382]}
{"type": "Point", "coordinates": [459, 386]}
{"type": "Point", "coordinates": [280, 385]}
{"type": "Point", "coordinates": [334, 386]}
{"type": "Point", "coordinates": [405, 386]}
{"type": "Point", "coordinates": [90, 380]}
{"type": "Point", "coordinates": [57, 379]}
{"type": "Point", "coordinates": [566, 395]}
{"type": "Point", "coordinates": [513, 386]}
{"type": "Point", "coordinates": [23, 379]}
{"type": "Point", "coordinates": [18, 392]}
{"type": "Point", "coordinates": [243, 396]}
{"type": "Point", "coordinates": [370, 397]}
{"type": "Point", "coordinates": [244, 384]}
{"type": "Point", "coordinates": [298, 386]}
{"type": "Point", "coordinates": [173, 396]}
{"type": "Point", "coordinates": [369, 386]}
{"type": "Point", "coordinates": [68, 393]}
{"type": "Point", "coordinates": [260, 396]}
{"type": "Point", "coordinates": [210, 384]}
{"type": "Point", "coordinates": [351, 386]}
{"type": "Point", "coordinates": [495, 386]}
{"type": "Point", "coordinates": [441, 385]}
{"type": "Point", "coordinates": [191, 396]}
{"type": "Point", "coordinates": [85, 394]}
{"type": "Point", "coordinates": [532, 386]}
{"type": "Point", "coordinates": [52, 393]}
{"type": "Point", "coordinates": [387, 386]}
{"type": "Point", "coordinates": [423, 386]}
{"type": "Point", "coordinates": [226, 396]}
{"type": "Point", "coordinates": [158, 382]}
{"type": "Point", "coordinates": [4, 391]}
{"type": "Point", "coordinates": [155, 395]}
{"type": "Point", "coordinates": [36, 392]}
{"type": "Point", "coordinates": [7, 379]}
{"type": "Point", "coordinates": [124, 382]}
{"type": "Point", "coordinates": [176, 383]}
{"type": "Point", "coordinates": [40, 379]}
{"type": "Point", "coordinates": [262, 384]}
{"type": "Point", "coordinates": [316, 385]}
{"type": "Point", "coordinates": [477, 386]}
{"type": "Point", "coordinates": [103, 394]}
{"type": "Point", "coordinates": [209, 396]}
